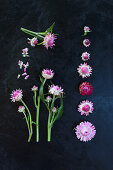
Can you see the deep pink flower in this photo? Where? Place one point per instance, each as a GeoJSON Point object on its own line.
{"type": "Point", "coordinates": [49, 40]}
{"type": "Point", "coordinates": [85, 131]}
{"type": "Point", "coordinates": [33, 42]}
{"type": "Point", "coordinates": [86, 29]}
{"type": "Point", "coordinates": [34, 88]}
{"type": "Point", "coordinates": [85, 107]}
{"type": "Point", "coordinates": [86, 42]}
{"type": "Point", "coordinates": [25, 52]}
{"type": "Point", "coordinates": [16, 95]}
{"type": "Point", "coordinates": [85, 88]}
{"type": "Point", "coordinates": [85, 56]}
{"type": "Point", "coordinates": [55, 90]}
{"type": "Point", "coordinates": [47, 74]}
{"type": "Point", "coordinates": [84, 70]}
{"type": "Point", "coordinates": [21, 109]}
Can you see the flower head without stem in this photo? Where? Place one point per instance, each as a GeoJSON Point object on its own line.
{"type": "Point", "coordinates": [85, 88]}
{"type": "Point", "coordinates": [48, 99]}
{"type": "Point", "coordinates": [85, 107]}
{"type": "Point", "coordinates": [20, 63]}
{"type": "Point", "coordinates": [85, 56]}
{"type": "Point", "coordinates": [21, 109]}
{"type": "Point", "coordinates": [25, 52]}
{"type": "Point", "coordinates": [47, 73]}
{"type": "Point", "coordinates": [33, 42]}
{"type": "Point", "coordinates": [86, 42]}
{"type": "Point", "coordinates": [55, 90]}
{"type": "Point", "coordinates": [85, 131]}
{"type": "Point", "coordinates": [34, 88]}
{"type": "Point", "coordinates": [49, 40]}
{"type": "Point", "coordinates": [84, 70]}
{"type": "Point", "coordinates": [16, 95]}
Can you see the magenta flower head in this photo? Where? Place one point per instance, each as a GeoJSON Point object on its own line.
{"type": "Point", "coordinates": [85, 88]}
{"type": "Point", "coordinates": [16, 95]}
{"type": "Point", "coordinates": [86, 29]}
{"type": "Point", "coordinates": [85, 131]}
{"type": "Point", "coordinates": [85, 107]}
{"type": "Point", "coordinates": [47, 74]}
{"type": "Point", "coordinates": [84, 70]}
{"type": "Point", "coordinates": [33, 42]}
{"type": "Point", "coordinates": [34, 88]}
{"type": "Point", "coordinates": [48, 99]}
{"type": "Point", "coordinates": [49, 40]}
{"type": "Point", "coordinates": [21, 109]}
{"type": "Point", "coordinates": [85, 56]}
{"type": "Point", "coordinates": [55, 90]}
{"type": "Point", "coordinates": [86, 42]}
{"type": "Point", "coordinates": [25, 52]}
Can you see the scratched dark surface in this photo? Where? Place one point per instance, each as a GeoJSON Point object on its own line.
{"type": "Point", "coordinates": [65, 151]}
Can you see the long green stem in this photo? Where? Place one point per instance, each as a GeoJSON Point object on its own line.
{"type": "Point", "coordinates": [27, 125]}
{"type": "Point", "coordinates": [37, 120]}
{"type": "Point", "coordinates": [49, 127]}
{"type": "Point", "coordinates": [30, 120]}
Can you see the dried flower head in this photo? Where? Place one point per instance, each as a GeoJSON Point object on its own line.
{"type": "Point", "coordinates": [86, 29]}
{"type": "Point", "coordinates": [86, 42]}
{"type": "Point", "coordinates": [55, 90]}
{"type": "Point", "coordinates": [21, 109]}
{"type": "Point", "coordinates": [33, 42]}
{"type": "Point", "coordinates": [85, 88]}
{"type": "Point", "coordinates": [84, 70]}
{"type": "Point", "coordinates": [49, 40]}
{"type": "Point", "coordinates": [34, 88]}
{"type": "Point", "coordinates": [48, 99]}
{"type": "Point", "coordinates": [85, 107]}
{"type": "Point", "coordinates": [85, 56]}
{"type": "Point", "coordinates": [16, 95]}
{"type": "Point", "coordinates": [47, 73]}
{"type": "Point", "coordinates": [25, 52]}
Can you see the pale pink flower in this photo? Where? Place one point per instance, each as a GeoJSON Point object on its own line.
{"type": "Point", "coordinates": [33, 42]}
{"type": "Point", "coordinates": [85, 88]}
{"type": "Point", "coordinates": [48, 99]}
{"type": "Point", "coordinates": [26, 77]}
{"type": "Point", "coordinates": [21, 109]}
{"type": "Point", "coordinates": [85, 107]}
{"type": "Point", "coordinates": [49, 40]}
{"type": "Point", "coordinates": [85, 56]}
{"type": "Point", "coordinates": [54, 109]}
{"type": "Point", "coordinates": [86, 42]}
{"type": "Point", "coordinates": [85, 131]}
{"type": "Point", "coordinates": [47, 74]}
{"type": "Point", "coordinates": [84, 70]}
{"type": "Point", "coordinates": [34, 88]}
{"type": "Point", "coordinates": [26, 66]}
{"type": "Point", "coordinates": [86, 29]}
{"type": "Point", "coordinates": [55, 90]}
{"type": "Point", "coordinates": [20, 63]}
{"type": "Point", "coordinates": [18, 76]}
{"type": "Point", "coordinates": [25, 52]}
{"type": "Point", "coordinates": [24, 74]}
{"type": "Point", "coordinates": [16, 95]}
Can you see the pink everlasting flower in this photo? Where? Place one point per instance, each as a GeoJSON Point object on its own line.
{"type": "Point", "coordinates": [85, 131]}
{"type": "Point", "coordinates": [33, 42]}
{"type": "Point", "coordinates": [86, 42]}
{"type": "Point", "coordinates": [47, 74]}
{"type": "Point", "coordinates": [84, 70]}
{"type": "Point", "coordinates": [48, 99]}
{"type": "Point", "coordinates": [85, 56]}
{"type": "Point", "coordinates": [20, 63]}
{"type": "Point", "coordinates": [85, 107]}
{"type": "Point", "coordinates": [21, 109]}
{"type": "Point", "coordinates": [85, 88]}
{"type": "Point", "coordinates": [16, 95]}
{"type": "Point", "coordinates": [25, 52]}
{"type": "Point", "coordinates": [55, 90]}
{"type": "Point", "coordinates": [49, 40]}
{"type": "Point", "coordinates": [34, 88]}
{"type": "Point", "coordinates": [86, 29]}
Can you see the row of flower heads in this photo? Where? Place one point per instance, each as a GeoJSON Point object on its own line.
{"type": "Point", "coordinates": [85, 131]}
{"type": "Point", "coordinates": [55, 92]}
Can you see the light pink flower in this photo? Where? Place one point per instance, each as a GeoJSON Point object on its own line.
{"type": "Point", "coordinates": [47, 74]}
{"type": "Point", "coordinates": [24, 74]}
{"type": "Point", "coordinates": [33, 42]}
{"type": "Point", "coordinates": [54, 110]}
{"type": "Point", "coordinates": [86, 29]}
{"type": "Point", "coordinates": [85, 131]}
{"type": "Point", "coordinates": [84, 70]}
{"type": "Point", "coordinates": [86, 42]}
{"type": "Point", "coordinates": [55, 90]}
{"type": "Point", "coordinates": [85, 107]}
{"type": "Point", "coordinates": [49, 40]}
{"type": "Point", "coordinates": [21, 109]}
{"type": "Point", "coordinates": [25, 52]}
{"type": "Point", "coordinates": [16, 95]}
{"type": "Point", "coordinates": [26, 66]}
{"type": "Point", "coordinates": [34, 88]}
{"type": "Point", "coordinates": [18, 76]}
{"type": "Point", "coordinates": [85, 56]}
{"type": "Point", "coordinates": [48, 99]}
{"type": "Point", "coordinates": [26, 77]}
{"type": "Point", "coordinates": [20, 63]}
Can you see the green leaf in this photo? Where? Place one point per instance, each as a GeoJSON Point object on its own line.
{"type": "Point", "coordinates": [50, 29]}
{"type": "Point", "coordinates": [41, 90]}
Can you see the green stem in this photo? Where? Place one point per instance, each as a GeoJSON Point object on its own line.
{"type": "Point", "coordinates": [49, 128]}
{"type": "Point", "coordinates": [27, 125]}
{"type": "Point", "coordinates": [37, 120]}
{"type": "Point", "coordinates": [30, 120]}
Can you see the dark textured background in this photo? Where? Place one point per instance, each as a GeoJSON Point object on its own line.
{"type": "Point", "coordinates": [65, 152]}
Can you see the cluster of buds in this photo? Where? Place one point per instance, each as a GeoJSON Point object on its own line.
{"type": "Point", "coordinates": [85, 131]}
{"type": "Point", "coordinates": [24, 67]}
